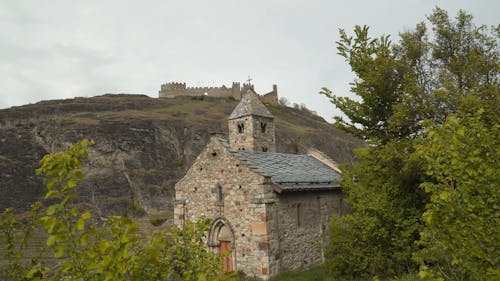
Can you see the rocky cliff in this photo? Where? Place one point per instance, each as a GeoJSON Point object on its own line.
{"type": "Point", "coordinates": [143, 146]}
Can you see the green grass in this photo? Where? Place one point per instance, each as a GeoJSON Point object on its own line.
{"type": "Point", "coordinates": [161, 217]}
{"type": "Point", "coordinates": [320, 273]}
{"type": "Point", "coordinates": [314, 274]}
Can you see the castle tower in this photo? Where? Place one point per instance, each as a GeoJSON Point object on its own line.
{"type": "Point", "coordinates": [251, 125]}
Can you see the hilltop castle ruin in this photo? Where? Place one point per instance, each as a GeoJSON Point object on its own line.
{"type": "Point", "coordinates": [175, 89]}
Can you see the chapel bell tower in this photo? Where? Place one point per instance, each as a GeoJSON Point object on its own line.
{"type": "Point", "coordinates": [251, 125]}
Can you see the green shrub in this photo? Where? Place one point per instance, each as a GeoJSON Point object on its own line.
{"type": "Point", "coordinates": [112, 250]}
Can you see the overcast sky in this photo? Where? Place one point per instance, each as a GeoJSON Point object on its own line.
{"type": "Point", "coordinates": [62, 49]}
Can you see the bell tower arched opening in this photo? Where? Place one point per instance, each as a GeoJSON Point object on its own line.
{"type": "Point", "coordinates": [251, 125]}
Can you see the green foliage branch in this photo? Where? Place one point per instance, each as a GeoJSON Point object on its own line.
{"type": "Point", "coordinates": [83, 248]}
{"type": "Point", "coordinates": [461, 238]}
{"type": "Point", "coordinates": [403, 214]}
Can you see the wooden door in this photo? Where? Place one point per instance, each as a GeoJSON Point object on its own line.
{"type": "Point", "coordinates": [227, 257]}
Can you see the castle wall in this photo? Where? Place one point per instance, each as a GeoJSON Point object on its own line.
{"type": "Point", "coordinates": [271, 97]}
{"type": "Point", "coordinates": [243, 192]}
{"type": "Point", "coordinates": [175, 89]}
{"type": "Point", "coordinates": [218, 92]}
{"type": "Point", "coordinates": [170, 90]}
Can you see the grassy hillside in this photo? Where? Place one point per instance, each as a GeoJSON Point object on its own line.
{"type": "Point", "coordinates": [143, 146]}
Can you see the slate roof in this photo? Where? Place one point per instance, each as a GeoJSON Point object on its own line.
{"type": "Point", "coordinates": [291, 172]}
{"type": "Point", "coordinates": [250, 105]}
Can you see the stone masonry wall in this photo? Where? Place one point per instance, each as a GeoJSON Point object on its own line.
{"type": "Point", "coordinates": [263, 138]}
{"type": "Point", "coordinates": [252, 137]}
{"type": "Point", "coordinates": [170, 90]}
{"type": "Point", "coordinates": [174, 89]}
{"type": "Point", "coordinates": [244, 196]}
{"type": "Point", "coordinates": [271, 97]}
{"type": "Point", "coordinates": [298, 227]}
{"type": "Point", "coordinates": [241, 140]}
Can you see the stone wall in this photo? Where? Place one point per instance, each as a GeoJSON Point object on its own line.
{"type": "Point", "coordinates": [240, 140]}
{"type": "Point", "coordinates": [298, 227]}
{"type": "Point", "coordinates": [264, 138]}
{"type": "Point", "coordinates": [271, 97]}
{"type": "Point", "coordinates": [269, 232]}
{"type": "Point", "coordinates": [253, 137]}
{"type": "Point", "coordinates": [241, 202]}
{"type": "Point", "coordinates": [174, 89]}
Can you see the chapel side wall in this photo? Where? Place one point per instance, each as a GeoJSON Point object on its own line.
{"type": "Point", "coordinates": [300, 244]}
{"type": "Point", "coordinates": [243, 192]}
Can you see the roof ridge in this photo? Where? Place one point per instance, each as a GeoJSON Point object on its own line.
{"type": "Point", "coordinates": [323, 158]}
{"type": "Point", "coordinates": [250, 104]}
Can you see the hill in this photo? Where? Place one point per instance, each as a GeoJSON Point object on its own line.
{"type": "Point", "coordinates": [143, 146]}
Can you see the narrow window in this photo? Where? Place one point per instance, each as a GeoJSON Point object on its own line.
{"type": "Point", "coordinates": [264, 149]}
{"type": "Point", "coordinates": [241, 128]}
{"type": "Point", "coordinates": [300, 216]}
{"type": "Point", "coordinates": [220, 195]}
{"type": "Point", "coordinates": [263, 127]}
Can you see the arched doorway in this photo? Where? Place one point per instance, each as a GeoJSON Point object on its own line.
{"type": "Point", "coordinates": [221, 241]}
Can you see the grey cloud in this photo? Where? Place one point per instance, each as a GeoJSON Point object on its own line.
{"type": "Point", "coordinates": [60, 49]}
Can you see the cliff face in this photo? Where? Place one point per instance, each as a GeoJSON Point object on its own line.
{"type": "Point", "coordinates": [143, 146]}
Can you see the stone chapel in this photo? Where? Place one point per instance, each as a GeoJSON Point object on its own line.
{"type": "Point", "coordinates": [269, 210]}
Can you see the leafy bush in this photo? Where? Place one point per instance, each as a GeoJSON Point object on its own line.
{"type": "Point", "coordinates": [377, 239]}
{"type": "Point", "coordinates": [112, 250]}
{"type": "Point", "coordinates": [461, 238]}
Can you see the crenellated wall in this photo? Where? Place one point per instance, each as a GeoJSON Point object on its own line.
{"type": "Point", "coordinates": [175, 89]}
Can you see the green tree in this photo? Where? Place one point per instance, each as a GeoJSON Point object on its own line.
{"type": "Point", "coordinates": [109, 250]}
{"type": "Point", "coordinates": [16, 236]}
{"type": "Point", "coordinates": [401, 85]}
{"type": "Point", "coordinates": [378, 85]}
{"type": "Point", "coordinates": [425, 77]}
{"type": "Point", "coordinates": [377, 238]}
{"type": "Point", "coordinates": [461, 238]}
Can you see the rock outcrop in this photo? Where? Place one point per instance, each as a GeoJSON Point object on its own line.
{"type": "Point", "coordinates": [143, 146]}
